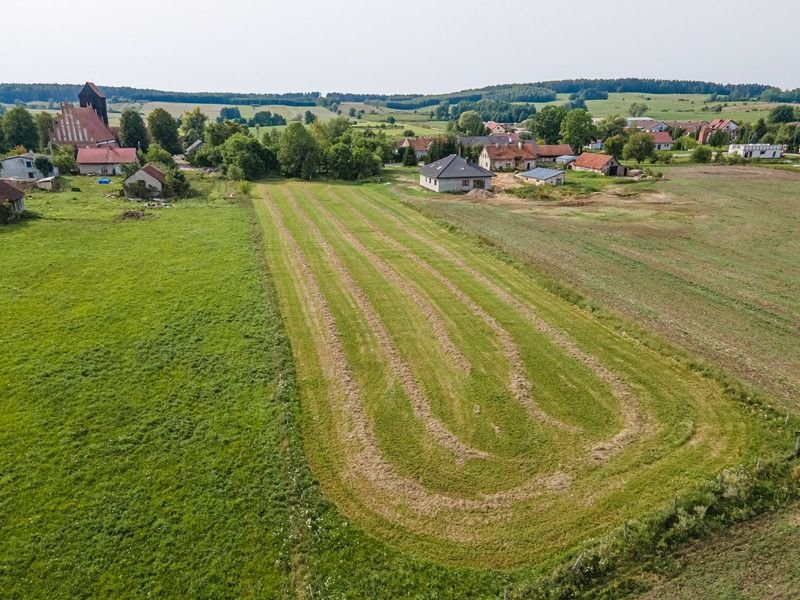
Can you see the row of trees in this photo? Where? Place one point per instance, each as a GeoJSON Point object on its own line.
{"type": "Point", "coordinates": [333, 148]}
{"type": "Point", "coordinates": [19, 128]}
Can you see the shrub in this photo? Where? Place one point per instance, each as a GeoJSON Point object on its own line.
{"type": "Point", "coordinates": [701, 154]}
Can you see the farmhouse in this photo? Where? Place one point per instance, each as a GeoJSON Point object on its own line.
{"type": "Point", "coordinates": [495, 128]}
{"type": "Point", "coordinates": [507, 158]}
{"type": "Point", "coordinates": [757, 150]}
{"type": "Point", "coordinates": [662, 140]}
{"type": "Point", "coordinates": [646, 124]}
{"type": "Point", "coordinates": [106, 160]}
{"type": "Point", "coordinates": [488, 140]}
{"type": "Point", "coordinates": [544, 176]}
{"type": "Point", "coordinates": [548, 153]}
{"type": "Point", "coordinates": [147, 182]}
{"type": "Point", "coordinates": [726, 125]}
{"type": "Point", "coordinates": [22, 166]}
{"type": "Point", "coordinates": [421, 145]}
{"type": "Point", "coordinates": [454, 174]}
{"type": "Point", "coordinates": [603, 164]}
{"type": "Point", "coordinates": [10, 194]}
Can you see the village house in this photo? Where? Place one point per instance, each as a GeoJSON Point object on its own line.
{"type": "Point", "coordinates": [549, 153]}
{"type": "Point", "coordinates": [594, 145]}
{"type": "Point", "coordinates": [22, 166]}
{"type": "Point", "coordinates": [726, 125]}
{"type": "Point", "coordinates": [603, 164]}
{"type": "Point", "coordinates": [542, 176]}
{"type": "Point", "coordinates": [107, 160]}
{"type": "Point", "coordinates": [757, 150]}
{"type": "Point", "coordinates": [495, 128]}
{"type": "Point", "coordinates": [147, 182]}
{"type": "Point", "coordinates": [421, 146]}
{"type": "Point", "coordinates": [488, 140]}
{"type": "Point", "coordinates": [662, 140]}
{"type": "Point", "coordinates": [10, 194]}
{"type": "Point", "coordinates": [507, 158]}
{"type": "Point", "coordinates": [454, 174]}
{"type": "Point", "coordinates": [646, 124]}
{"type": "Point", "coordinates": [689, 128]}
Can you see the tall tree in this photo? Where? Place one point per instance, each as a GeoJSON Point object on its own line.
{"type": "Point", "coordinates": [132, 131]}
{"type": "Point", "coordinates": [611, 126]}
{"type": "Point", "coordinates": [193, 125]}
{"type": "Point", "coordinates": [546, 124]}
{"type": "Point", "coordinates": [638, 109]}
{"type": "Point", "coordinates": [782, 114]}
{"type": "Point", "coordinates": [471, 123]}
{"type": "Point", "coordinates": [44, 123]}
{"type": "Point", "coordinates": [640, 146]}
{"type": "Point", "coordinates": [614, 145]}
{"type": "Point", "coordinates": [297, 151]}
{"type": "Point", "coordinates": [577, 129]}
{"type": "Point", "coordinates": [164, 130]}
{"type": "Point", "coordinates": [19, 129]}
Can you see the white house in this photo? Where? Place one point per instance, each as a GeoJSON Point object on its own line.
{"type": "Point", "coordinates": [757, 150]}
{"type": "Point", "coordinates": [147, 182]}
{"type": "Point", "coordinates": [662, 140]}
{"type": "Point", "coordinates": [454, 174]}
{"type": "Point", "coordinates": [107, 160]}
{"type": "Point", "coordinates": [23, 167]}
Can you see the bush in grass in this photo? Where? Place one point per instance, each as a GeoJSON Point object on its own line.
{"type": "Point", "coordinates": [701, 154]}
{"type": "Point", "coordinates": [409, 157]}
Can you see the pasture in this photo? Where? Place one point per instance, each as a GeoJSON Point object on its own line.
{"type": "Point", "coordinates": [457, 407]}
{"type": "Point", "coordinates": [706, 258]}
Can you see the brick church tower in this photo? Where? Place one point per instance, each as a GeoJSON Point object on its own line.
{"type": "Point", "coordinates": [92, 96]}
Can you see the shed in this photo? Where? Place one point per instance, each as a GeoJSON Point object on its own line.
{"type": "Point", "coordinates": [567, 159]}
{"type": "Point", "coordinates": [603, 164]}
{"type": "Point", "coordinates": [48, 183]}
{"type": "Point", "coordinates": [147, 182]}
{"type": "Point", "coordinates": [8, 193]}
{"type": "Point", "coordinates": [454, 174]}
{"type": "Point", "coordinates": [542, 176]}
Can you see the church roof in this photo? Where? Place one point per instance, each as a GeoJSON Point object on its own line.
{"type": "Point", "coordinates": [79, 126]}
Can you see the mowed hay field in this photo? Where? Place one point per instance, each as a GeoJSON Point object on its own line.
{"type": "Point", "coordinates": [455, 407]}
{"type": "Point", "coordinates": [707, 258]}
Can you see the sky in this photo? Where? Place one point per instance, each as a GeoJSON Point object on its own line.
{"type": "Point", "coordinates": [408, 46]}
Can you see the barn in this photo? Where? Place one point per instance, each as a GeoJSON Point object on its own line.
{"type": "Point", "coordinates": [602, 164]}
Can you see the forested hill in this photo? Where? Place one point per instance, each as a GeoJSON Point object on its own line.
{"type": "Point", "coordinates": [543, 91]}
{"type": "Point", "coordinates": [60, 92]}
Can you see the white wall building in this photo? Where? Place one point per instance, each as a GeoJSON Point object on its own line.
{"type": "Point", "coordinates": [757, 150]}
{"type": "Point", "coordinates": [454, 174]}
{"type": "Point", "coordinates": [22, 167]}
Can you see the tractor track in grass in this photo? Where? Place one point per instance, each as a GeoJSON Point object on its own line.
{"type": "Point", "coordinates": [394, 360]}
{"type": "Point", "coordinates": [432, 314]}
{"type": "Point", "coordinates": [636, 422]}
{"type": "Point", "coordinates": [519, 383]}
{"type": "Point", "coordinates": [368, 462]}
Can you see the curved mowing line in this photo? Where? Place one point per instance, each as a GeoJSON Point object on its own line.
{"type": "Point", "coordinates": [398, 366]}
{"type": "Point", "coordinates": [369, 462]}
{"type": "Point", "coordinates": [635, 422]}
{"type": "Point", "coordinates": [519, 383]}
{"type": "Point", "coordinates": [407, 287]}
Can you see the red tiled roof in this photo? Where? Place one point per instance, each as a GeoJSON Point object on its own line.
{"type": "Point", "coordinates": [720, 123]}
{"type": "Point", "coordinates": [591, 160]}
{"type": "Point", "coordinates": [510, 152]}
{"type": "Point", "coordinates": [155, 173]}
{"type": "Point", "coordinates": [552, 150]}
{"type": "Point", "coordinates": [108, 155]}
{"type": "Point", "coordinates": [9, 192]}
{"type": "Point", "coordinates": [79, 126]}
{"type": "Point", "coordinates": [661, 137]}
{"type": "Point", "coordinates": [420, 144]}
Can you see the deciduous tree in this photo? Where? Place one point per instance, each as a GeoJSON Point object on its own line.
{"type": "Point", "coordinates": [577, 129]}
{"type": "Point", "coordinates": [132, 131]}
{"type": "Point", "coordinates": [19, 129]}
{"type": "Point", "coordinates": [164, 130]}
{"type": "Point", "coordinates": [639, 147]}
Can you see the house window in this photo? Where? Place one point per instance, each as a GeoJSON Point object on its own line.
{"type": "Point", "coordinates": [465, 183]}
{"type": "Point", "coordinates": [104, 170]}
{"type": "Point", "coordinates": [30, 175]}
{"type": "Point", "coordinates": [28, 164]}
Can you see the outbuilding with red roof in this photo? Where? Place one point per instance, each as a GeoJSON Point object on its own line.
{"type": "Point", "coordinates": [147, 182]}
{"type": "Point", "coordinates": [106, 160]}
{"type": "Point", "coordinates": [602, 164]}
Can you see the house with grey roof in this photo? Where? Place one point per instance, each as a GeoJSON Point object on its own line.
{"type": "Point", "coordinates": [454, 174]}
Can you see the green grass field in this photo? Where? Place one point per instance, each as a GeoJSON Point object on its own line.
{"type": "Point", "coordinates": [456, 407]}
{"type": "Point", "coordinates": [318, 392]}
{"type": "Point", "coordinates": [706, 258]}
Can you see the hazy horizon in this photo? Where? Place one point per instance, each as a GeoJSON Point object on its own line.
{"type": "Point", "coordinates": [371, 47]}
